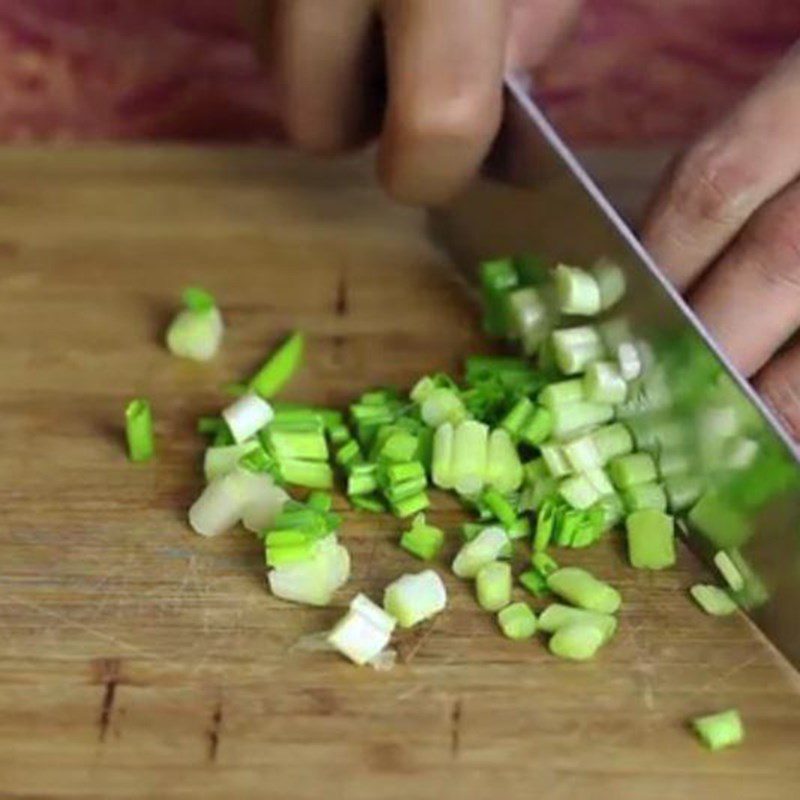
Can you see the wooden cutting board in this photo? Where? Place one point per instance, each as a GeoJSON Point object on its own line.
{"type": "Point", "coordinates": [139, 660]}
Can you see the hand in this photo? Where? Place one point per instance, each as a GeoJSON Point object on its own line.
{"type": "Point", "coordinates": [725, 225]}
{"type": "Point", "coordinates": [439, 64]}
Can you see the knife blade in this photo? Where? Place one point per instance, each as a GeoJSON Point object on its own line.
{"type": "Point", "coordinates": [737, 478]}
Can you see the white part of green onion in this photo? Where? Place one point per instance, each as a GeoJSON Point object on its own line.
{"type": "Point", "coordinates": [440, 406]}
{"type": "Point", "coordinates": [262, 502]}
{"type": "Point", "coordinates": [219, 461]}
{"type": "Point", "coordinates": [584, 590]}
{"type": "Point", "coordinates": [600, 480]}
{"type": "Point", "coordinates": [483, 549]}
{"type": "Point", "coordinates": [247, 415]}
{"type": "Point", "coordinates": [629, 360]}
{"type": "Point", "coordinates": [610, 281]}
{"type": "Point", "coordinates": [557, 616]}
{"type": "Point", "coordinates": [739, 453]}
{"type": "Point", "coordinates": [671, 463]}
{"type": "Point", "coordinates": [414, 598]}
{"type": "Point", "coordinates": [578, 292]}
{"type": "Point", "coordinates": [729, 571]}
{"type": "Point", "coordinates": [470, 450]}
{"type": "Point", "coordinates": [578, 641]}
{"type": "Point", "coordinates": [576, 348]}
{"type": "Point", "coordinates": [195, 334]}
{"type": "Point", "coordinates": [422, 389]}
{"type": "Point", "coordinates": [314, 581]}
{"type": "Point", "coordinates": [612, 441]}
{"type": "Point", "coordinates": [683, 491]}
{"type": "Point", "coordinates": [582, 453]}
{"type": "Point", "coordinates": [571, 419]}
{"type": "Point", "coordinates": [562, 393]}
{"type": "Point", "coordinates": [604, 383]}
{"type": "Point", "coordinates": [503, 467]}
{"type": "Point", "coordinates": [713, 600]}
{"type": "Point", "coordinates": [556, 460]}
{"type": "Point", "coordinates": [530, 318]}
{"type": "Point", "coordinates": [219, 507]}
{"type": "Point", "coordinates": [357, 636]}
{"type": "Point", "coordinates": [442, 459]}
{"type": "Point", "coordinates": [493, 586]}
{"type": "Point", "coordinates": [578, 491]}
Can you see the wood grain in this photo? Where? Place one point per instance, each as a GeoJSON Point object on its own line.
{"type": "Point", "coordinates": [140, 661]}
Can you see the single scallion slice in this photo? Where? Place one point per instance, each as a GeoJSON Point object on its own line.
{"type": "Point", "coordinates": [610, 281]}
{"type": "Point", "coordinates": [713, 600]}
{"type": "Point", "coordinates": [632, 469]}
{"type": "Point", "coordinates": [604, 383]}
{"type": "Point", "coordinates": [306, 444]}
{"type": "Point", "coordinates": [348, 454]}
{"type": "Point", "coordinates": [515, 419]}
{"type": "Point", "coordinates": [582, 453]}
{"type": "Point", "coordinates": [422, 540]}
{"type": "Point", "coordinates": [372, 504]}
{"type": "Point", "coordinates": [556, 460]}
{"type": "Point", "coordinates": [578, 641]}
{"type": "Point", "coordinates": [219, 507]}
{"type": "Point", "coordinates": [312, 474]}
{"type": "Point", "coordinates": [517, 621]}
{"type": "Point", "coordinates": [645, 496]}
{"type": "Point", "coordinates": [313, 581]}
{"type": "Point", "coordinates": [520, 528]}
{"type": "Point", "coordinates": [557, 616]}
{"type": "Point", "coordinates": [563, 393]}
{"type": "Point", "coordinates": [362, 480]}
{"type": "Point", "coordinates": [717, 731]}
{"type": "Point", "coordinates": [442, 405]}
{"type": "Point", "coordinates": [414, 598]}
{"type": "Point", "coordinates": [139, 430]}
{"type": "Point", "coordinates": [498, 278]}
{"type": "Point", "coordinates": [546, 522]}
{"type": "Point", "coordinates": [571, 419]}
{"type": "Point", "coordinates": [442, 466]}
{"type": "Point", "coordinates": [486, 547]}
{"type": "Point", "coordinates": [629, 361]}
{"type": "Point", "coordinates": [246, 416]}
{"type": "Point", "coordinates": [279, 368]}
{"type": "Point", "coordinates": [544, 564]}
{"type": "Point", "coordinates": [503, 467]}
{"type": "Point", "coordinates": [493, 585]}
{"type": "Point", "coordinates": [612, 441]}
{"type": "Point", "coordinates": [538, 426]}
{"type": "Point", "coordinates": [530, 318]}
{"type": "Point", "coordinates": [470, 450]}
{"type": "Point", "coordinates": [409, 506]}
{"type": "Point", "coordinates": [683, 491]}
{"type": "Point", "coordinates": [584, 590]}
{"type": "Point", "coordinates": [578, 491]}
{"type": "Point", "coordinates": [651, 539]}
{"type": "Point", "coordinates": [363, 632]}
{"type": "Point", "coordinates": [500, 507]}
{"type": "Point", "coordinates": [578, 291]}
{"type": "Point", "coordinates": [576, 348]}
{"type": "Point", "coordinates": [196, 332]}
{"type": "Point", "coordinates": [729, 571]}
{"type": "Point", "coordinates": [534, 582]}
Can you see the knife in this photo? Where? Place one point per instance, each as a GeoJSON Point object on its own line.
{"type": "Point", "coordinates": [738, 484]}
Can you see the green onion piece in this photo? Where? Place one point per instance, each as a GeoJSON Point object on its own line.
{"type": "Point", "coordinates": [362, 480]}
{"type": "Point", "coordinates": [547, 522]}
{"type": "Point", "coordinates": [612, 510]}
{"type": "Point", "coordinates": [409, 506]}
{"type": "Point", "coordinates": [612, 441]}
{"type": "Point", "coordinates": [340, 434]}
{"type": "Point", "coordinates": [517, 621]}
{"type": "Point", "coordinates": [578, 491]}
{"type": "Point", "coordinates": [544, 564]}
{"type": "Point", "coordinates": [279, 556]}
{"type": "Point", "coordinates": [571, 419]}
{"type": "Point", "coordinates": [651, 539]}
{"type": "Point", "coordinates": [500, 507]}
{"type": "Point", "coordinates": [582, 453]}
{"type": "Point", "coordinates": [219, 461]}
{"type": "Point", "coordinates": [729, 571]}
{"type": "Point", "coordinates": [486, 547]}
{"type": "Point", "coordinates": [399, 447]}
{"type": "Point", "coordinates": [610, 281]}
{"type": "Point", "coordinates": [580, 528]}
{"type": "Point", "coordinates": [195, 333]}
{"type": "Point", "coordinates": [469, 530]}
{"type": "Point", "coordinates": [578, 292]}
{"type": "Point", "coordinates": [519, 529]}
{"type": "Point", "coordinates": [292, 415]}
{"type": "Point", "coordinates": [414, 598]}
{"type": "Point", "coordinates": [308, 445]}
{"type": "Point", "coordinates": [713, 600]}
{"type": "Point", "coordinates": [372, 504]}
{"type": "Point", "coordinates": [532, 269]}
{"type": "Point", "coordinates": [498, 278]}
{"type": "Point", "coordinates": [514, 420]}
{"type": "Point", "coordinates": [320, 501]}
{"type": "Point", "coordinates": [424, 452]}
{"type": "Point", "coordinates": [493, 585]}
{"type": "Point", "coordinates": [503, 467]}
{"type": "Point", "coordinates": [557, 616]}
{"type": "Point", "coordinates": [645, 495]}
{"type": "Point", "coordinates": [534, 582]}
{"type": "Point", "coordinates": [683, 491]}
{"type": "Point", "coordinates": [223, 437]}
{"type": "Point", "coordinates": [405, 489]}
{"type": "Point", "coordinates": [371, 414]}
{"type": "Point", "coordinates": [422, 389]}
{"type": "Point", "coordinates": [278, 370]}
{"type": "Point", "coordinates": [400, 472]}
{"type": "Point", "coordinates": [563, 393]}
{"type": "Point", "coordinates": [578, 641]}
{"type": "Point", "coordinates": [210, 426]}
{"type": "Point", "coordinates": [673, 463]}
{"type": "Point", "coordinates": [584, 590]}
{"type": "Point", "coordinates": [139, 430]}
{"type": "Point", "coordinates": [576, 348]}
{"type": "Point", "coordinates": [442, 466]}
{"type": "Point", "coordinates": [535, 470]}
{"type": "Point", "coordinates": [302, 519]}
{"type": "Point", "coordinates": [538, 427]}
{"type": "Point", "coordinates": [313, 474]}
{"type": "Point", "coordinates": [349, 454]}
{"type": "Point", "coordinates": [258, 460]}
{"type": "Point", "coordinates": [633, 469]}
{"type": "Point", "coordinates": [246, 416]}
{"type": "Point", "coordinates": [442, 405]}
{"type": "Point", "coordinates": [422, 540]}
{"type": "Point", "coordinates": [197, 299]}
{"type": "Point", "coordinates": [720, 522]}
{"type": "Point", "coordinates": [219, 507]}
{"type": "Point", "coordinates": [717, 731]}
{"type": "Point", "coordinates": [470, 450]}
{"type": "Point", "coordinates": [754, 593]}
{"type": "Point", "coordinates": [604, 383]}
{"type": "Point", "coordinates": [314, 581]}
{"type": "Point", "coordinates": [530, 318]}
{"type": "Point", "coordinates": [556, 460]}
{"type": "Point", "coordinates": [600, 480]}
{"type": "Point", "coordinates": [363, 632]}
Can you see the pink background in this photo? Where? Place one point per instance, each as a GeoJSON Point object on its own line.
{"type": "Point", "coordinates": [636, 71]}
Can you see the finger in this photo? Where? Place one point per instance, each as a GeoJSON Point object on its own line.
{"type": "Point", "coordinates": [750, 300]}
{"type": "Point", "coordinates": [537, 27]}
{"type": "Point", "coordinates": [445, 70]}
{"type": "Point", "coordinates": [323, 60]}
{"type": "Point", "coordinates": [779, 383]}
{"type": "Point", "coordinates": [711, 192]}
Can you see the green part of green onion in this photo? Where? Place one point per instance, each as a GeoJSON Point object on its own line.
{"type": "Point", "coordinates": [538, 427]}
{"type": "Point", "coordinates": [563, 393]}
{"type": "Point", "coordinates": [197, 299]}
{"type": "Point", "coordinates": [729, 570]}
{"type": "Point", "coordinates": [292, 415]}
{"type": "Point", "coordinates": [398, 492]}
{"type": "Point", "coordinates": [498, 278]}
{"type": "Point", "coordinates": [534, 582]}
{"type": "Point", "coordinates": [604, 383]}
{"type": "Point", "coordinates": [578, 641]}
{"type": "Point", "coordinates": [579, 528]}
{"type": "Point", "coordinates": [400, 472]}
{"type": "Point", "coordinates": [308, 445]}
{"type": "Point", "coordinates": [493, 585]}
{"type": "Point", "coordinates": [578, 491]}
{"type": "Point", "coordinates": [713, 600]}
{"type": "Point", "coordinates": [210, 426]}
{"type": "Point", "coordinates": [632, 469]}
{"type": "Point", "coordinates": [422, 540]}
{"type": "Point", "coordinates": [544, 564]}
{"type": "Point", "coordinates": [515, 419]}
{"type": "Point", "coordinates": [576, 417]}
{"type": "Point", "coordinates": [717, 731]}
{"type": "Point", "coordinates": [683, 491]}
{"type": "Point", "coordinates": [651, 539]}
{"type": "Point", "coordinates": [532, 270]}
{"type": "Point", "coordinates": [195, 334]}
{"type": "Point", "coordinates": [258, 460]}
{"type": "Point", "coordinates": [469, 530]}
{"type": "Point", "coordinates": [223, 437]}
{"type": "Point", "coordinates": [582, 454]}
{"type": "Point", "coordinates": [520, 528]}
{"type": "Point", "coordinates": [409, 506]}
{"type": "Point", "coordinates": [362, 481]}
{"type": "Point", "coordinates": [517, 621]}
{"type": "Point", "coordinates": [546, 522]}
{"type": "Point", "coordinates": [534, 471]}
{"type": "Point", "coordinates": [470, 450]}
{"type": "Point", "coordinates": [219, 461]}
{"type": "Point", "coordinates": [719, 521]}
{"type": "Point", "coordinates": [278, 370]}
{"type": "Point", "coordinates": [557, 616]}
{"type": "Point", "coordinates": [500, 507]}
{"type": "Point", "coordinates": [312, 474]}
{"type": "Point", "coordinates": [371, 504]}
{"type": "Point", "coordinates": [576, 348]}
{"type": "Point", "coordinates": [349, 454]}
{"type": "Point", "coordinates": [612, 441]}
{"type": "Point", "coordinates": [578, 292]}
{"type": "Point", "coordinates": [139, 430]}
{"type": "Point", "coordinates": [320, 501]}
{"type": "Point", "coordinates": [754, 593]}
{"type": "Point", "coordinates": [400, 446]}
{"type": "Point", "coordinates": [340, 434]}
{"type": "Point", "coordinates": [645, 496]}
{"type": "Point", "coordinates": [581, 588]}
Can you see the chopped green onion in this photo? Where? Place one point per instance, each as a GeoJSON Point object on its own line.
{"type": "Point", "coordinates": [645, 495]}
{"type": "Point", "coordinates": [279, 368]}
{"type": "Point", "coordinates": [578, 291]}
{"type": "Point", "coordinates": [493, 585]}
{"type": "Point", "coordinates": [544, 564]}
{"type": "Point", "coordinates": [538, 427]}
{"type": "Point", "coordinates": [563, 393]}
{"type": "Point", "coordinates": [556, 460]}
{"type": "Point", "coordinates": [517, 621]}
{"type": "Point", "coordinates": [584, 590]}
{"type": "Point", "coordinates": [503, 467]}
{"type": "Point", "coordinates": [498, 278]}
{"type": "Point", "coordinates": [600, 480]}
{"type": "Point", "coordinates": [139, 430]}
{"type": "Point", "coordinates": [534, 582]}
{"type": "Point", "coordinates": [409, 506]}
{"type": "Point", "coordinates": [223, 437]}
{"type": "Point", "coordinates": [246, 416]}
{"type": "Point", "coordinates": [442, 405]}
{"type": "Point", "coordinates": [578, 641]}
{"type": "Point", "coordinates": [320, 501]}
{"type": "Point", "coordinates": [486, 547]}
{"type": "Point", "coordinates": [196, 332]}
{"type": "Point", "coordinates": [363, 632]}
{"type": "Point", "coordinates": [604, 383]}
{"type": "Point", "coordinates": [582, 453]}
{"type": "Point", "coordinates": [219, 461]}
{"type": "Point", "coordinates": [398, 447]}
{"type": "Point", "coordinates": [632, 469]}
{"type": "Point", "coordinates": [442, 467]}
{"type": "Point", "coordinates": [579, 528]}
{"type": "Point", "coordinates": [470, 450]}
{"type": "Point", "coordinates": [576, 348]}
{"type": "Point", "coordinates": [612, 510]}
{"type": "Point", "coordinates": [519, 529]}
{"type": "Point", "coordinates": [575, 417]}
{"type": "Point", "coordinates": [414, 598]}
{"type": "Point", "coordinates": [348, 454]}
{"type": "Point", "coordinates": [219, 507]}
{"type": "Point", "coordinates": [629, 360]}
{"type": "Point", "coordinates": [610, 281]}
{"type": "Point", "coordinates": [400, 472]}
{"type": "Point", "coordinates": [530, 319]}
{"type": "Point", "coordinates": [717, 731]}
{"type": "Point", "coordinates": [308, 445]}
{"type": "Point", "coordinates": [405, 489]}
{"type": "Point", "coordinates": [210, 425]}
{"type": "Point", "coordinates": [683, 491]}
{"type": "Point", "coordinates": [315, 580]}
{"type": "Point", "coordinates": [718, 521]}
{"type": "Point", "coordinates": [371, 504]}
{"type": "Point", "coordinates": [557, 616]}
{"type": "Point", "coordinates": [578, 491]}
{"type": "Point", "coordinates": [515, 419]}
{"type": "Point", "coordinates": [651, 539]}
{"type": "Point", "coordinates": [612, 441]}
{"type": "Point", "coordinates": [313, 474]}
{"type": "Point", "coordinates": [500, 507]}
{"type": "Point", "coordinates": [729, 571]}
{"type": "Point", "coordinates": [362, 480]}
{"type": "Point", "coordinates": [340, 434]}
{"type": "Point", "coordinates": [713, 600]}
{"type": "Point", "coordinates": [422, 540]}
{"type": "Point", "coordinates": [547, 522]}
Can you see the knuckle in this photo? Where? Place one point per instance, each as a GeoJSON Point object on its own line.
{"type": "Point", "coordinates": [775, 234]}
{"type": "Point", "coordinates": [780, 387]}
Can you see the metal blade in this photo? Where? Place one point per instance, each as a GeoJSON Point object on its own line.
{"type": "Point", "coordinates": [689, 408]}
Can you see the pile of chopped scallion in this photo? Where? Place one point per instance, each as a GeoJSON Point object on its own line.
{"type": "Point", "coordinates": [540, 448]}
